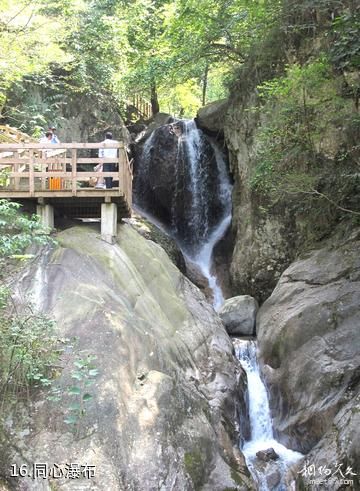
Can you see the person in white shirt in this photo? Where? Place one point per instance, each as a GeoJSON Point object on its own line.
{"type": "Point", "coordinates": [46, 139]}
{"type": "Point", "coordinates": [109, 153]}
{"type": "Point", "coordinates": [55, 138]}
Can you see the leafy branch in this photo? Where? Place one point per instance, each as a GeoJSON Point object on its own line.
{"type": "Point", "coordinates": [315, 192]}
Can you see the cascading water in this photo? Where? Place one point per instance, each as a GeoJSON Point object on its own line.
{"type": "Point", "coordinates": [197, 194]}
{"type": "Point", "coordinates": [262, 437]}
{"type": "Point", "coordinates": [204, 260]}
{"type": "Point", "coordinates": [193, 144]}
{"type": "Point", "coordinates": [200, 204]}
{"type": "Point", "coordinates": [202, 254]}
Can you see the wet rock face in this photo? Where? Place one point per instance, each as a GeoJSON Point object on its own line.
{"type": "Point", "coordinates": [177, 180]}
{"type": "Point", "coordinates": [211, 117]}
{"type": "Point", "coordinates": [154, 173]}
{"type": "Point", "coordinates": [165, 401]}
{"type": "Point", "coordinates": [309, 341]}
{"type": "Point", "coordinates": [239, 315]}
{"type": "Point", "coordinates": [195, 275]}
{"type": "Point", "coordinates": [267, 455]}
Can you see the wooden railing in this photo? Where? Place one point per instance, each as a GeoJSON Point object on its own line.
{"type": "Point", "coordinates": [38, 169]}
{"type": "Point", "coordinates": [14, 135]}
{"type": "Point", "coordinates": [142, 106]}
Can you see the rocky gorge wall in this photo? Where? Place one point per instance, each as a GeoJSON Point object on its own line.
{"type": "Point", "coordinates": [261, 246]}
{"type": "Point", "coordinates": [291, 127]}
{"type": "Point", "coordinates": [308, 328]}
{"type": "Point", "coordinates": [169, 391]}
{"type": "Point", "coordinates": [296, 240]}
{"type": "Point", "coordinates": [78, 116]}
{"type": "Point", "coordinates": [269, 236]}
{"type": "Point", "coordinates": [308, 338]}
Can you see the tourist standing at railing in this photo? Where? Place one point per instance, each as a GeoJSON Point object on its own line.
{"type": "Point", "coordinates": [46, 138]}
{"type": "Point", "coordinates": [108, 153]}
{"type": "Point", "coordinates": [55, 138]}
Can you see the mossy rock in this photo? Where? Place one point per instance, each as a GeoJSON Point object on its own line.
{"type": "Point", "coordinates": [194, 467]}
{"type": "Point", "coordinates": [237, 477]}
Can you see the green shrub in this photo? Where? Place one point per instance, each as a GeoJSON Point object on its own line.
{"type": "Point", "coordinates": [300, 113]}
{"type": "Point", "coordinates": [28, 345]}
{"type": "Point", "coordinates": [17, 230]}
{"type": "Point", "coordinates": [28, 349]}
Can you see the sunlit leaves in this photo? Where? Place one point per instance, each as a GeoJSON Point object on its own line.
{"type": "Point", "coordinates": [174, 42]}
{"type": "Point", "coordinates": [29, 42]}
{"type": "Point", "coordinates": [17, 231]}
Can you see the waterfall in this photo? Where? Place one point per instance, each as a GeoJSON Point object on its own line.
{"type": "Point", "coordinates": [196, 195]}
{"type": "Point", "coordinates": [207, 234]}
{"type": "Point", "coordinates": [262, 437]}
{"type": "Point", "coordinates": [204, 256]}
{"type": "Point", "coordinates": [193, 144]}
{"type": "Point", "coordinates": [198, 201]}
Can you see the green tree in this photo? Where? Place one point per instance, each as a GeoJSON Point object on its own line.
{"type": "Point", "coordinates": [28, 345]}
{"type": "Point", "coordinates": [29, 40]}
{"type": "Point", "coordinates": [97, 47]}
{"type": "Point", "coordinates": [206, 37]}
{"type": "Point", "coordinates": [145, 20]}
{"type": "Point", "coordinates": [18, 231]}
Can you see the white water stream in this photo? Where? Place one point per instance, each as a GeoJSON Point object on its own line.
{"type": "Point", "coordinates": [195, 180]}
{"type": "Point", "coordinates": [204, 260]}
{"type": "Point", "coordinates": [203, 257]}
{"type": "Point", "coordinates": [206, 237]}
{"type": "Point", "coordinates": [262, 437]}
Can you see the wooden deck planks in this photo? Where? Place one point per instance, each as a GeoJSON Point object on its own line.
{"type": "Point", "coordinates": [46, 171]}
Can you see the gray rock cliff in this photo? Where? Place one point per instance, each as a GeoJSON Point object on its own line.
{"type": "Point", "coordinates": [164, 408]}
{"type": "Point", "coordinates": [309, 337]}
{"type": "Point", "coordinates": [239, 315]}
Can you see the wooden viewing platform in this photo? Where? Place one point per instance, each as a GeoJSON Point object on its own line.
{"type": "Point", "coordinates": [62, 176]}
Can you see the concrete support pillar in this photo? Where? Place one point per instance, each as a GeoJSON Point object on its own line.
{"type": "Point", "coordinates": [108, 222]}
{"type": "Point", "coordinates": [46, 213]}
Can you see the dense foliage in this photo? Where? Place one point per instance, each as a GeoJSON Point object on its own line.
{"type": "Point", "coordinates": [17, 231]}
{"type": "Point", "coordinates": [27, 340]}
{"type": "Point", "coordinates": [308, 107]}
{"type": "Point", "coordinates": [178, 54]}
{"type": "Point", "coordinates": [300, 152]}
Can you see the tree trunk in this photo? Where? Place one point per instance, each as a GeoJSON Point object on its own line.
{"type": "Point", "coordinates": [205, 83]}
{"type": "Point", "coordinates": [154, 100]}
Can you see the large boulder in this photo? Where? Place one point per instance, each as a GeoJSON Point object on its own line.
{"type": "Point", "coordinates": [211, 117]}
{"type": "Point", "coordinates": [152, 230]}
{"type": "Point", "coordinates": [239, 315]}
{"type": "Point", "coordinates": [338, 452]}
{"type": "Point", "coordinates": [309, 339]}
{"type": "Point", "coordinates": [169, 392]}
{"type": "Point", "coordinates": [154, 173]}
{"type": "Point", "coordinates": [177, 178]}
{"type": "Point", "coordinates": [157, 121]}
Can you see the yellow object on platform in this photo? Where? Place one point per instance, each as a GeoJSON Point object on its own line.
{"type": "Point", "coordinates": [55, 183]}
